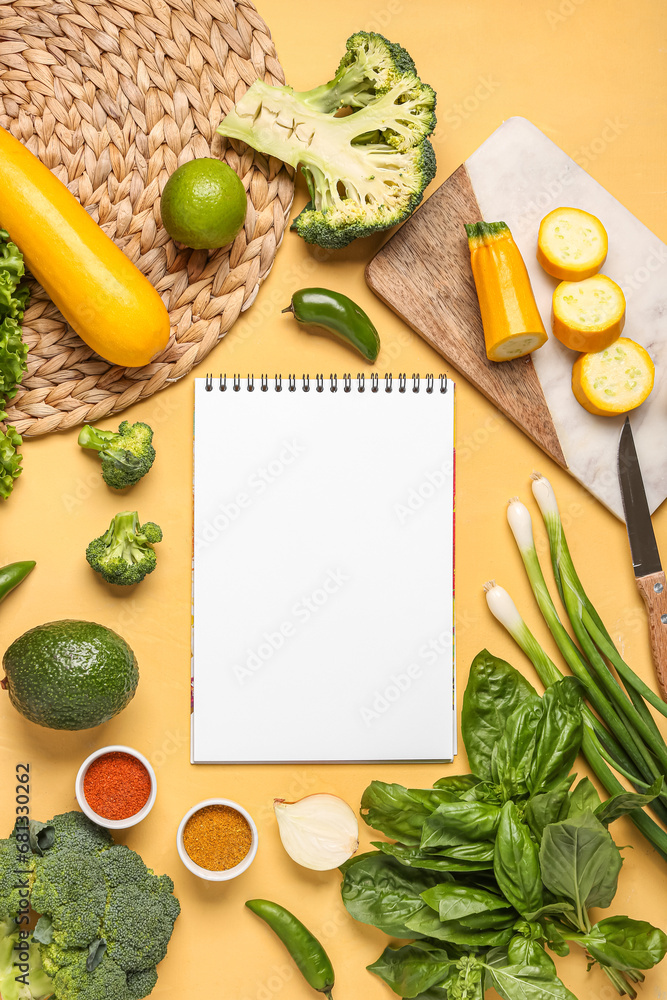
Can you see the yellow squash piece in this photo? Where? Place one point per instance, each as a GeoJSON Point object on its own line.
{"type": "Point", "coordinates": [99, 291]}
{"type": "Point", "coordinates": [572, 244]}
{"type": "Point", "coordinates": [615, 380]}
{"type": "Point", "coordinates": [588, 315]}
{"type": "Point", "coordinates": [511, 321]}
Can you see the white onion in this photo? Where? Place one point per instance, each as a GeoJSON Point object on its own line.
{"type": "Point", "coordinates": [319, 832]}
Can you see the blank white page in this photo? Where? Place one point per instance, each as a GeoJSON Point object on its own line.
{"type": "Point", "coordinates": [323, 573]}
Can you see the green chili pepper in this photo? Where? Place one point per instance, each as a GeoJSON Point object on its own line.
{"type": "Point", "coordinates": [336, 314]}
{"type": "Point", "coordinates": [305, 949]}
{"type": "Point", "coordinates": [12, 575]}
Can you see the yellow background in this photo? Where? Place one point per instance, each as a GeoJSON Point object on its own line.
{"type": "Point", "coordinates": [591, 75]}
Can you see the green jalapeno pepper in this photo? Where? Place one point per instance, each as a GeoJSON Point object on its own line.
{"type": "Point", "coordinates": [12, 575]}
{"type": "Point", "coordinates": [305, 949]}
{"type": "Point", "coordinates": [335, 313]}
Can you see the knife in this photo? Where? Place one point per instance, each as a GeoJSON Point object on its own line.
{"type": "Point", "coordinates": [645, 557]}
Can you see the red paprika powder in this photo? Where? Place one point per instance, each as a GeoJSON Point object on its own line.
{"type": "Point", "coordinates": [117, 785]}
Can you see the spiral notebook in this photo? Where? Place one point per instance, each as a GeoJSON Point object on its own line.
{"type": "Point", "coordinates": [323, 573]}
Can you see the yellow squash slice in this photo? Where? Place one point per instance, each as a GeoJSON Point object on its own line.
{"type": "Point", "coordinates": [572, 244]}
{"type": "Point", "coordinates": [615, 380]}
{"type": "Point", "coordinates": [588, 315]}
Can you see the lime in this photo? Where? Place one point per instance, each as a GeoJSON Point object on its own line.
{"type": "Point", "coordinates": [204, 204]}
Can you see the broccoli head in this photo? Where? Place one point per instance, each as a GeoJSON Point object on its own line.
{"type": "Point", "coordinates": [124, 554]}
{"type": "Point", "coordinates": [366, 170]}
{"type": "Point", "coordinates": [21, 974]}
{"type": "Point", "coordinates": [127, 454]}
{"type": "Point", "coordinates": [106, 919]}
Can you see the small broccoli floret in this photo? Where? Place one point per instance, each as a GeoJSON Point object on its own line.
{"type": "Point", "coordinates": [124, 554]}
{"type": "Point", "coordinates": [127, 454]}
{"type": "Point", "coordinates": [17, 952]}
{"type": "Point", "coordinates": [365, 171]}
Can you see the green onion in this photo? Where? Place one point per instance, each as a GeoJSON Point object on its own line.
{"type": "Point", "coordinates": [626, 735]}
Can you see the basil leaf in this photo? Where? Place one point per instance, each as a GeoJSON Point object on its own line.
{"type": "Point", "coordinates": [458, 823]}
{"type": "Point", "coordinates": [623, 943]}
{"type": "Point", "coordinates": [382, 892]}
{"type": "Point", "coordinates": [410, 970]}
{"type": "Point", "coordinates": [559, 735]}
{"type": "Point", "coordinates": [413, 857]}
{"type": "Point", "coordinates": [355, 859]}
{"type": "Point", "coordinates": [626, 802]}
{"type": "Point", "coordinates": [427, 923]}
{"type": "Point", "coordinates": [514, 982]}
{"type": "Point", "coordinates": [512, 756]}
{"type": "Point", "coordinates": [555, 939]}
{"type": "Point", "coordinates": [399, 812]}
{"type": "Point", "coordinates": [527, 953]}
{"type": "Point", "coordinates": [494, 691]}
{"type": "Point", "coordinates": [583, 799]}
{"type": "Point", "coordinates": [548, 807]}
{"type": "Point", "coordinates": [580, 861]}
{"type": "Point", "coordinates": [516, 862]}
{"type": "Point", "coordinates": [482, 852]}
{"type": "Point", "coordinates": [457, 782]}
{"type": "Point", "coordinates": [455, 902]}
{"type": "Point", "coordinates": [549, 909]}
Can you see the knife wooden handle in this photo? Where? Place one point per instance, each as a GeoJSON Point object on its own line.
{"type": "Point", "coordinates": [653, 589]}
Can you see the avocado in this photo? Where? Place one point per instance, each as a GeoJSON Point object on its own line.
{"type": "Point", "coordinates": [70, 674]}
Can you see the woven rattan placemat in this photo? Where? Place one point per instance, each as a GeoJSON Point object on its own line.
{"type": "Point", "coordinates": [113, 95]}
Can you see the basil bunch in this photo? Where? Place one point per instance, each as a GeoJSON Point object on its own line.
{"type": "Point", "coordinates": [489, 868]}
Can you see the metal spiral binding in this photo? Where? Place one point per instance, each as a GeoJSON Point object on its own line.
{"type": "Point", "coordinates": [402, 380]}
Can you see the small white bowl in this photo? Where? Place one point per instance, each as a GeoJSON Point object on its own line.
{"type": "Point", "coordinates": [229, 873]}
{"type": "Point", "coordinates": [115, 824]}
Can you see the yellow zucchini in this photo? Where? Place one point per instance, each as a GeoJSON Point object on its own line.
{"type": "Point", "coordinates": [510, 317]}
{"type": "Point", "coordinates": [99, 291]}
{"type": "Point", "coordinates": [588, 315]}
{"type": "Point", "coordinates": [615, 380]}
{"type": "Point", "coordinates": [571, 244]}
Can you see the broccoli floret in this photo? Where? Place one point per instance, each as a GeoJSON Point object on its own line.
{"type": "Point", "coordinates": [72, 831]}
{"type": "Point", "coordinates": [124, 554]}
{"type": "Point", "coordinates": [371, 66]}
{"type": "Point", "coordinates": [365, 171]}
{"type": "Point", "coordinates": [76, 906]}
{"type": "Point", "coordinates": [127, 454]}
{"type": "Point", "coordinates": [106, 919]}
{"type": "Point", "coordinates": [140, 984]}
{"type": "Point", "coordinates": [74, 982]}
{"type": "Point", "coordinates": [21, 974]}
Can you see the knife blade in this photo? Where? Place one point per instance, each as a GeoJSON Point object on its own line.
{"type": "Point", "coordinates": [649, 576]}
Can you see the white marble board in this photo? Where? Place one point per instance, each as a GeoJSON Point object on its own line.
{"type": "Point", "coordinates": [518, 175]}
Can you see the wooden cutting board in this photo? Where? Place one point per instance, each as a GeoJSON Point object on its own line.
{"type": "Point", "coordinates": [423, 273]}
